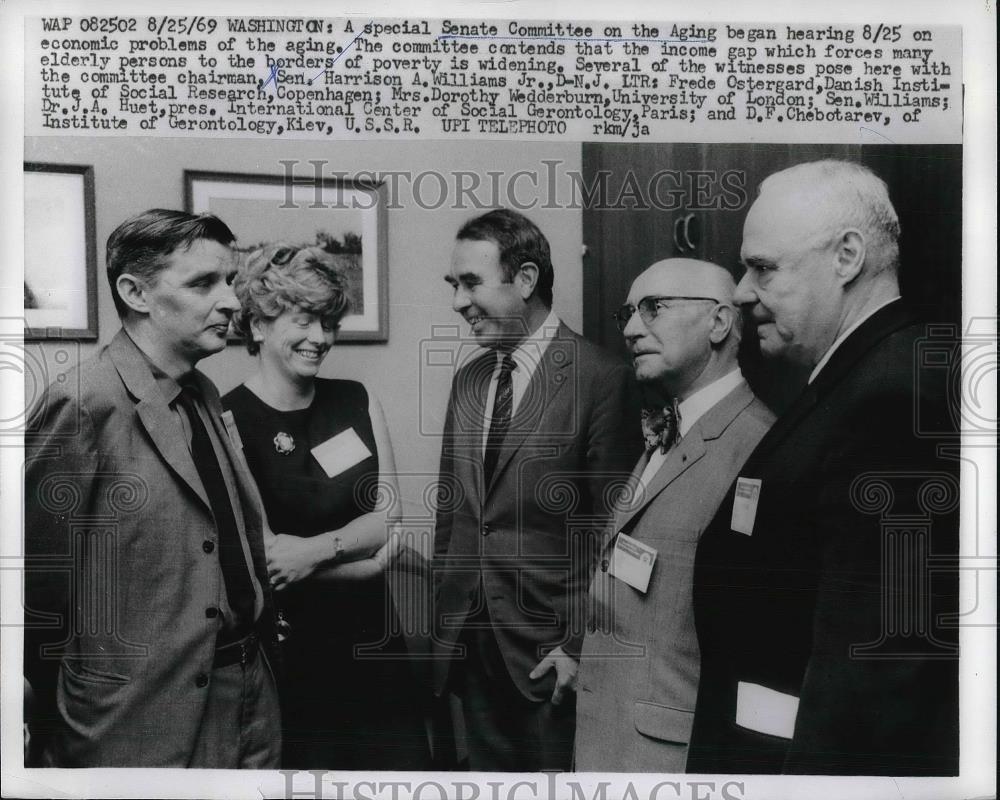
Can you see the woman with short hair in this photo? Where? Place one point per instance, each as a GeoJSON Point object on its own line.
{"type": "Point", "coordinates": [319, 450]}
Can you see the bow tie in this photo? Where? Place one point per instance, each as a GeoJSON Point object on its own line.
{"type": "Point", "coordinates": [661, 426]}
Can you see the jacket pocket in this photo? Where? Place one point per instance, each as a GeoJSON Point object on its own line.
{"type": "Point", "coordinates": [663, 722]}
{"type": "Point", "coordinates": [672, 533]}
{"type": "Point", "coordinates": [91, 702]}
{"type": "Point", "coordinates": [82, 671]}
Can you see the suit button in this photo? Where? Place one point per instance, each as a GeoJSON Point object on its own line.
{"type": "Point", "coordinates": [201, 681]}
{"type": "Point", "coordinates": [605, 565]}
{"type": "Point", "coordinates": [486, 530]}
{"type": "Point", "coordinates": [211, 612]}
{"type": "Point", "coordinates": [208, 546]}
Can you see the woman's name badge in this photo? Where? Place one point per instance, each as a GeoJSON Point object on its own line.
{"type": "Point", "coordinates": [340, 452]}
{"type": "Point", "coordinates": [632, 562]}
{"type": "Point", "coordinates": [745, 505]}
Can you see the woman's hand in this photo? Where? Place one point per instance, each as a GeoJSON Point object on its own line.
{"type": "Point", "coordinates": [387, 552]}
{"type": "Point", "coordinates": [290, 559]}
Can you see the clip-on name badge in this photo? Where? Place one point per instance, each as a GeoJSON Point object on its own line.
{"type": "Point", "coordinates": [632, 562]}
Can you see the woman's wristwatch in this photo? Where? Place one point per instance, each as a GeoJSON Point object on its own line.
{"type": "Point", "coordinates": [338, 550]}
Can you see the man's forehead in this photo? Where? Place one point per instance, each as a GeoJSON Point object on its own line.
{"type": "Point", "coordinates": [684, 277]}
{"type": "Point", "coordinates": [778, 221]}
{"type": "Point", "coordinates": [794, 201]}
{"type": "Point", "coordinates": [655, 282]}
{"type": "Point", "coordinates": [475, 257]}
{"type": "Point", "coordinates": [204, 253]}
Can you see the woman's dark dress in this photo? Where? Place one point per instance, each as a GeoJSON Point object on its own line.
{"type": "Point", "coordinates": [342, 709]}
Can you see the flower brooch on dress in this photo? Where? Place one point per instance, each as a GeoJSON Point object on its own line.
{"type": "Point", "coordinates": [284, 443]}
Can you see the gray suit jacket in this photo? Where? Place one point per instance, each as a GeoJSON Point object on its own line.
{"type": "Point", "coordinates": [123, 565]}
{"type": "Point", "coordinates": [532, 533]}
{"type": "Point", "coordinates": [638, 677]}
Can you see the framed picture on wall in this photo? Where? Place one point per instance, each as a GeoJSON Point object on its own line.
{"type": "Point", "coordinates": [60, 252]}
{"type": "Point", "coordinates": [345, 217]}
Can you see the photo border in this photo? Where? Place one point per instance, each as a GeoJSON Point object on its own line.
{"type": "Point", "coordinates": [88, 333]}
{"type": "Point", "coordinates": [380, 332]}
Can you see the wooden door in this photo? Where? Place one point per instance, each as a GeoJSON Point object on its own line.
{"type": "Point", "coordinates": [656, 201]}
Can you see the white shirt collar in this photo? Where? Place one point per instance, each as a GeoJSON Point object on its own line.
{"type": "Point", "coordinates": [694, 407]}
{"type": "Point", "coordinates": [840, 339]}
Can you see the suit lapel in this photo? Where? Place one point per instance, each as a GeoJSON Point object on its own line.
{"type": "Point", "coordinates": [681, 458]}
{"type": "Point", "coordinates": [467, 434]}
{"type": "Point", "coordinates": [684, 455]}
{"type": "Point", "coordinates": [873, 330]}
{"type": "Point", "coordinates": [549, 377]}
{"type": "Point", "coordinates": [248, 498]}
{"type": "Point", "coordinates": [801, 407]}
{"type": "Point", "coordinates": [159, 421]}
{"type": "Point", "coordinates": [689, 450]}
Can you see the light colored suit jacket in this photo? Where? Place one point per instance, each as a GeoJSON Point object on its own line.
{"type": "Point", "coordinates": [123, 567]}
{"type": "Point", "coordinates": [532, 534]}
{"type": "Point", "coordinates": [638, 677]}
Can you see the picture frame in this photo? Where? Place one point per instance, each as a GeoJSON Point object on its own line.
{"type": "Point", "coordinates": [345, 216]}
{"type": "Point", "coordinates": [60, 253]}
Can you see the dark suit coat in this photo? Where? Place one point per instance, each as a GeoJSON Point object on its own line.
{"type": "Point", "coordinates": [638, 674]}
{"type": "Point", "coordinates": [816, 603]}
{"type": "Point", "coordinates": [116, 525]}
{"type": "Point", "coordinates": [532, 534]}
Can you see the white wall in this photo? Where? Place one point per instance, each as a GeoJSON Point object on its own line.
{"type": "Point", "coordinates": [132, 175]}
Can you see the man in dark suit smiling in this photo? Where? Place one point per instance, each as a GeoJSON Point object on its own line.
{"type": "Point", "coordinates": [539, 429]}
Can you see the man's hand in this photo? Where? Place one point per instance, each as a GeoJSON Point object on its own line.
{"type": "Point", "coordinates": [290, 559]}
{"type": "Point", "coordinates": [268, 533]}
{"type": "Point", "coordinates": [565, 667]}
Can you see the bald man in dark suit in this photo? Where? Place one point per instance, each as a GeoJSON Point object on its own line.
{"type": "Point", "coordinates": [822, 585]}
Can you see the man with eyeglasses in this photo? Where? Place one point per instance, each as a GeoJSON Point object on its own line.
{"type": "Point", "coordinates": [542, 429]}
{"type": "Point", "coordinates": [638, 674]}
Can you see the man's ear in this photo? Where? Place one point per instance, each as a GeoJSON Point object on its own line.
{"type": "Point", "coordinates": [849, 255]}
{"type": "Point", "coordinates": [723, 320]}
{"type": "Point", "coordinates": [526, 279]}
{"type": "Point", "coordinates": [132, 292]}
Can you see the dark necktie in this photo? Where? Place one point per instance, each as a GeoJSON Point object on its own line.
{"type": "Point", "coordinates": [661, 426]}
{"type": "Point", "coordinates": [500, 419]}
{"type": "Point", "coordinates": [239, 588]}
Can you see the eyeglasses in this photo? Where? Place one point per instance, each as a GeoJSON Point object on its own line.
{"type": "Point", "coordinates": [649, 307]}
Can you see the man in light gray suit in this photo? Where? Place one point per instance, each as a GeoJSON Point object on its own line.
{"type": "Point", "coordinates": [638, 677]}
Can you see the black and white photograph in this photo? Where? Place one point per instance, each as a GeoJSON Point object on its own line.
{"type": "Point", "coordinates": [495, 403]}
{"type": "Point", "coordinates": [337, 216]}
{"type": "Point", "coordinates": [60, 269]}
